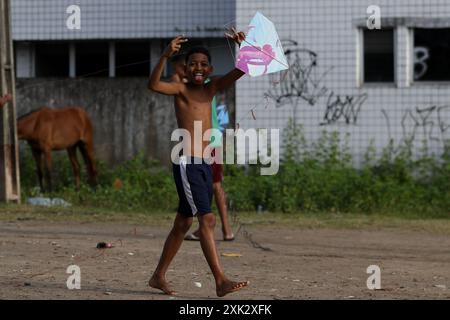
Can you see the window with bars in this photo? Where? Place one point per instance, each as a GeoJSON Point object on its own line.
{"type": "Point", "coordinates": [51, 59]}
{"type": "Point", "coordinates": [132, 58]}
{"type": "Point", "coordinates": [431, 54]}
{"type": "Point", "coordinates": [378, 56]}
{"type": "Point", "coordinates": [92, 59]}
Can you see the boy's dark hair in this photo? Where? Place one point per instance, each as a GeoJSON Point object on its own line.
{"type": "Point", "coordinates": [198, 50]}
{"type": "Point", "coordinates": [178, 57]}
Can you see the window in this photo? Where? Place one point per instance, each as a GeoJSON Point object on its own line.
{"type": "Point", "coordinates": [378, 55]}
{"type": "Point", "coordinates": [132, 59]}
{"type": "Point", "coordinates": [92, 59]}
{"type": "Point", "coordinates": [52, 59]}
{"type": "Point", "coordinates": [431, 54]}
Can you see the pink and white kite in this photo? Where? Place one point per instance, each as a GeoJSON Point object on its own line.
{"type": "Point", "coordinates": [261, 51]}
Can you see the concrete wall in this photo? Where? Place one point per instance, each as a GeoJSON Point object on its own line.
{"type": "Point", "coordinates": [127, 117]}
{"type": "Point", "coordinates": [325, 34]}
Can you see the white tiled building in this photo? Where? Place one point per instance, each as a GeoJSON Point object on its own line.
{"type": "Point", "coordinates": [112, 33]}
{"type": "Point", "coordinates": [392, 83]}
{"type": "Point", "coordinates": [104, 66]}
{"type": "Point", "coordinates": [380, 85]}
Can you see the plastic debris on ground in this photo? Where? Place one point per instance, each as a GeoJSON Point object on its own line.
{"type": "Point", "coordinates": [230, 254]}
{"type": "Point", "coordinates": [48, 202]}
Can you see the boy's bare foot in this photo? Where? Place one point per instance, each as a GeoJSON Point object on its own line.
{"type": "Point", "coordinates": [161, 284]}
{"type": "Point", "coordinates": [229, 287]}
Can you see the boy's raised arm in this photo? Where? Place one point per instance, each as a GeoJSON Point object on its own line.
{"type": "Point", "coordinates": [221, 83]}
{"type": "Point", "coordinates": [155, 83]}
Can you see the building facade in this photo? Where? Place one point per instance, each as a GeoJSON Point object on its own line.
{"type": "Point", "coordinates": [103, 63]}
{"type": "Point", "coordinates": [375, 86]}
{"type": "Point", "coordinates": [113, 38]}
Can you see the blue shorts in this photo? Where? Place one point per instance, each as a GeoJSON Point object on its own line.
{"type": "Point", "coordinates": [194, 181]}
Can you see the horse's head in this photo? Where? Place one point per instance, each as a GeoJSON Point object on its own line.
{"type": "Point", "coordinates": [26, 124]}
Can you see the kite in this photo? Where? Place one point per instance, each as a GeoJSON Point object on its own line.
{"type": "Point", "coordinates": [261, 51]}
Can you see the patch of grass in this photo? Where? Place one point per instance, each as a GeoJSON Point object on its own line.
{"type": "Point", "coordinates": [14, 213]}
{"type": "Point", "coordinates": [138, 184]}
{"type": "Point", "coordinates": [352, 221]}
{"type": "Point", "coordinates": [11, 212]}
{"type": "Point", "coordinates": [315, 178]}
{"type": "Point", "coordinates": [321, 176]}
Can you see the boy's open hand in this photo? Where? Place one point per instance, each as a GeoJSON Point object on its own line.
{"type": "Point", "coordinates": [237, 37]}
{"type": "Point", "coordinates": [174, 46]}
{"type": "Point", "coordinates": [6, 98]}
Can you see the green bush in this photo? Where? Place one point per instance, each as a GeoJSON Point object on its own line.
{"type": "Point", "coordinates": [137, 184]}
{"type": "Point", "coordinates": [321, 176]}
{"type": "Point", "coordinates": [313, 177]}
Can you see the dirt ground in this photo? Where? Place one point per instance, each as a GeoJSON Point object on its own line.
{"type": "Point", "coordinates": [301, 263]}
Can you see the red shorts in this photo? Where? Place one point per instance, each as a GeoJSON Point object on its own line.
{"type": "Point", "coordinates": [217, 169]}
{"type": "Point", "coordinates": [217, 172]}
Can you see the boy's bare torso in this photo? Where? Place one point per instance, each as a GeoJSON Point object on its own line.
{"type": "Point", "coordinates": [193, 103]}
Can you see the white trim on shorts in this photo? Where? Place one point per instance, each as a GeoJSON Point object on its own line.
{"type": "Point", "coordinates": [186, 185]}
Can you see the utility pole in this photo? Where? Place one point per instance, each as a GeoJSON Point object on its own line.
{"type": "Point", "coordinates": [9, 147]}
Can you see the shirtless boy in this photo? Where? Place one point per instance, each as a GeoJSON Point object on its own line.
{"type": "Point", "coordinates": [193, 180]}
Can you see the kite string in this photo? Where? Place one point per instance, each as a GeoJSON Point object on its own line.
{"type": "Point", "coordinates": [243, 230]}
{"type": "Point", "coordinates": [231, 49]}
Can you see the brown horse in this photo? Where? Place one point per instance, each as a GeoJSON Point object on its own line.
{"type": "Point", "coordinates": [68, 128]}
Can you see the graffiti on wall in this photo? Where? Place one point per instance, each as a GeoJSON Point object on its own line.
{"type": "Point", "coordinates": [343, 109]}
{"type": "Point", "coordinates": [304, 81]}
{"type": "Point", "coordinates": [429, 123]}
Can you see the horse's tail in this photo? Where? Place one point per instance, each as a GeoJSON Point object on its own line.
{"type": "Point", "coordinates": [86, 147]}
{"type": "Point", "coordinates": [89, 128]}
